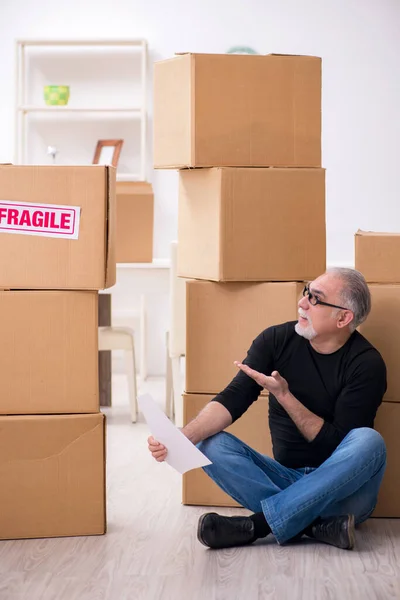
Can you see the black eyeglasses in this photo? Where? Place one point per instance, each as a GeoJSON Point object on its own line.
{"type": "Point", "coordinates": [314, 300]}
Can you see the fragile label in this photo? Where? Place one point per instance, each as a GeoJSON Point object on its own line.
{"type": "Point", "coordinates": [47, 220]}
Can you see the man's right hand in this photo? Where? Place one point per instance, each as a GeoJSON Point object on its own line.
{"type": "Point", "coordinates": [158, 451]}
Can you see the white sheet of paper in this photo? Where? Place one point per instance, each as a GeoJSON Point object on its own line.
{"type": "Point", "coordinates": [182, 454]}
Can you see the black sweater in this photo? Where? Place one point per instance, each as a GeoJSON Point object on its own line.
{"type": "Point", "coordinates": [344, 388]}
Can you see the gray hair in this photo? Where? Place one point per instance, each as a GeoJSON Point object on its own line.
{"type": "Point", "coordinates": [355, 294]}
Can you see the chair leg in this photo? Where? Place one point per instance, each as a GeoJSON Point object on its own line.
{"type": "Point", "coordinates": [177, 388]}
{"type": "Point", "coordinates": [169, 407]}
{"type": "Point", "coordinates": [131, 373]}
{"type": "Point", "coordinates": [143, 340]}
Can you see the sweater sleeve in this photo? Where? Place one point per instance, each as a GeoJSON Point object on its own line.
{"type": "Point", "coordinates": [242, 391]}
{"type": "Point", "coordinates": [356, 405]}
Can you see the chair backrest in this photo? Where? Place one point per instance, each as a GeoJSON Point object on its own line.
{"type": "Point", "coordinates": [177, 330]}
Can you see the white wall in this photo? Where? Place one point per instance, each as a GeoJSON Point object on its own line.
{"type": "Point", "coordinates": [358, 40]}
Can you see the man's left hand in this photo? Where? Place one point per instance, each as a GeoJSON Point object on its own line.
{"type": "Point", "coordinates": [277, 385]}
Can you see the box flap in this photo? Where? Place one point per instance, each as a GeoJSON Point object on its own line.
{"type": "Point", "coordinates": [360, 232]}
{"type": "Point", "coordinates": [252, 55]}
{"type": "Point", "coordinates": [52, 476]}
{"type": "Point", "coordinates": [294, 55]}
{"type": "Point", "coordinates": [110, 274]}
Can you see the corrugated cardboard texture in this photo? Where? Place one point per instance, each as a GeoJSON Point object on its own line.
{"type": "Point", "coordinates": [173, 122]}
{"type": "Point", "coordinates": [49, 352]}
{"type": "Point", "coordinates": [252, 428]}
{"type": "Point", "coordinates": [388, 424]}
{"type": "Point", "coordinates": [200, 243]}
{"type": "Point", "coordinates": [237, 110]}
{"type": "Point", "coordinates": [251, 224]}
{"type": "Point", "coordinates": [223, 319]}
{"type": "Point", "coordinates": [52, 476]}
{"type": "Point", "coordinates": [111, 229]}
{"type": "Point", "coordinates": [33, 262]}
{"type": "Point", "coordinates": [382, 329]}
{"type": "Point", "coordinates": [135, 222]}
{"type": "Point", "coordinates": [377, 256]}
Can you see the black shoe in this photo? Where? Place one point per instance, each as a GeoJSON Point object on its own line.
{"type": "Point", "coordinates": [336, 531]}
{"type": "Point", "coordinates": [216, 531]}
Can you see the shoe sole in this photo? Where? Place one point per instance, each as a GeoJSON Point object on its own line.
{"type": "Point", "coordinates": [351, 532]}
{"type": "Point", "coordinates": [199, 528]}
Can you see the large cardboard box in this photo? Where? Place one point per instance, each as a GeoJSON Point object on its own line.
{"type": "Point", "coordinates": [382, 329]}
{"type": "Point", "coordinates": [49, 352]}
{"type": "Point", "coordinates": [377, 256]}
{"type": "Point", "coordinates": [135, 222]}
{"type": "Point", "coordinates": [57, 227]}
{"type": "Point", "coordinates": [52, 476]}
{"type": "Point", "coordinates": [252, 428]}
{"type": "Point", "coordinates": [251, 224]}
{"type": "Point", "coordinates": [237, 110]}
{"type": "Point", "coordinates": [387, 422]}
{"type": "Point", "coordinates": [223, 319]}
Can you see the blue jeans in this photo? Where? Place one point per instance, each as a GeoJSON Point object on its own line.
{"type": "Point", "coordinates": [291, 499]}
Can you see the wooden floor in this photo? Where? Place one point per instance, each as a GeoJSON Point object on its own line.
{"type": "Point", "coordinates": [151, 552]}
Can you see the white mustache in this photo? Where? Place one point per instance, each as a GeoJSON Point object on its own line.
{"type": "Point", "coordinates": [303, 314]}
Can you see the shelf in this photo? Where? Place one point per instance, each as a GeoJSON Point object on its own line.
{"type": "Point", "coordinates": [99, 42]}
{"type": "Point", "coordinates": [158, 263]}
{"type": "Point", "coordinates": [61, 109]}
{"type": "Point", "coordinates": [128, 177]}
{"type": "Point", "coordinates": [125, 109]}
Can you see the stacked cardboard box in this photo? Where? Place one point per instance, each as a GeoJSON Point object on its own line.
{"type": "Point", "coordinates": [245, 133]}
{"type": "Point", "coordinates": [252, 428]}
{"type": "Point", "coordinates": [135, 221]}
{"type": "Point", "coordinates": [377, 256]}
{"type": "Point", "coordinates": [56, 249]}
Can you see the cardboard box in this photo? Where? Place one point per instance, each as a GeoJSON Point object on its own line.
{"type": "Point", "coordinates": [252, 428]}
{"type": "Point", "coordinates": [223, 319]}
{"type": "Point", "coordinates": [49, 352]}
{"type": "Point", "coordinates": [215, 110]}
{"type": "Point", "coordinates": [57, 227]}
{"type": "Point", "coordinates": [135, 222]}
{"type": "Point", "coordinates": [382, 329]}
{"type": "Point", "coordinates": [387, 422]}
{"type": "Point", "coordinates": [251, 224]}
{"type": "Point", "coordinates": [377, 256]}
{"type": "Point", "coordinates": [52, 476]}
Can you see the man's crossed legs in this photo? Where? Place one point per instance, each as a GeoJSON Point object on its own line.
{"type": "Point", "coordinates": [324, 502]}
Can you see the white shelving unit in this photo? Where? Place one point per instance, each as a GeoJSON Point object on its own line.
{"type": "Point", "coordinates": [108, 84]}
{"type": "Point", "coordinates": [61, 109]}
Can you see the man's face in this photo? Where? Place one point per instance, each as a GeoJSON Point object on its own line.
{"type": "Point", "coordinates": [319, 319]}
